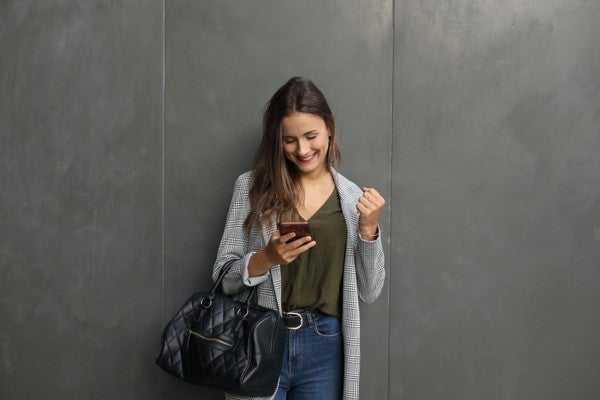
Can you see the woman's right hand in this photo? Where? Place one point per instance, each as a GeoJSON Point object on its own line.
{"type": "Point", "coordinates": [279, 252]}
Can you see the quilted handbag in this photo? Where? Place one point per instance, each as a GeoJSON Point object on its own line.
{"type": "Point", "coordinates": [216, 341]}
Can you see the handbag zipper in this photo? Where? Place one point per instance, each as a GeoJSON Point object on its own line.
{"type": "Point", "coordinates": [209, 339]}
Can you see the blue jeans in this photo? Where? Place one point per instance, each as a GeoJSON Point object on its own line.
{"type": "Point", "coordinates": [313, 361]}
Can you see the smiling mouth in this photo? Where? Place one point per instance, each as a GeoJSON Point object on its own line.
{"type": "Point", "coordinates": [307, 159]}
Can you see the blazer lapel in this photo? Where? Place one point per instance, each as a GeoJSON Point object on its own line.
{"type": "Point", "coordinates": [267, 231]}
{"type": "Point", "coordinates": [348, 204]}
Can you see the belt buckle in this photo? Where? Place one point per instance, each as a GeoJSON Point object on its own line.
{"type": "Point", "coordinates": [295, 314]}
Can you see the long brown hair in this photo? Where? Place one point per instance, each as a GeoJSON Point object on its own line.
{"type": "Point", "coordinates": [274, 190]}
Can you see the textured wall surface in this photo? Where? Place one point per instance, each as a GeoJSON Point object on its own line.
{"type": "Point", "coordinates": [124, 125]}
{"type": "Point", "coordinates": [81, 160]}
{"type": "Point", "coordinates": [496, 199]}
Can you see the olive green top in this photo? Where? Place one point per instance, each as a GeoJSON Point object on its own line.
{"type": "Point", "coordinates": [313, 280]}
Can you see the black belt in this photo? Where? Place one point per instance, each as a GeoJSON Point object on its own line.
{"type": "Point", "coordinates": [299, 318]}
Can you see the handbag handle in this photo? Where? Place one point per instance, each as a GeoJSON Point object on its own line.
{"type": "Point", "coordinates": [217, 287]}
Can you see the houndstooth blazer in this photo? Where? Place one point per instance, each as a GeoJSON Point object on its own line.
{"type": "Point", "coordinates": [364, 271]}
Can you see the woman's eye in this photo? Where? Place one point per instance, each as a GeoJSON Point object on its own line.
{"type": "Point", "coordinates": [311, 137]}
{"type": "Point", "coordinates": [289, 141]}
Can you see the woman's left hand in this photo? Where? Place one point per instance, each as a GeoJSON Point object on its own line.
{"type": "Point", "coordinates": [369, 206]}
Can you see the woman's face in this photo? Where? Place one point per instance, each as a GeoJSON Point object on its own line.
{"type": "Point", "coordinates": [305, 139]}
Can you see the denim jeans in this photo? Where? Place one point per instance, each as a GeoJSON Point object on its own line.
{"type": "Point", "coordinates": [313, 362]}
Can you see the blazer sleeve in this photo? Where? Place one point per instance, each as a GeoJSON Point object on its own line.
{"type": "Point", "coordinates": [370, 268]}
{"type": "Point", "coordinates": [369, 259]}
{"type": "Point", "coordinates": [237, 245]}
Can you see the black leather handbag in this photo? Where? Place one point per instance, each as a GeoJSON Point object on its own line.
{"type": "Point", "coordinates": [223, 343]}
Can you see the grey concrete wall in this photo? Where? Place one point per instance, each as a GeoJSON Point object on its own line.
{"type": "Point", "coordinates": [81, 122]}
{"type": "Point", "coordinates": [496, 199]}
{"type": "Point", "coordinates": [124, 125]}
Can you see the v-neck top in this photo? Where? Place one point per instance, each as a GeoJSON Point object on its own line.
{"type": "Point", "coordinates": [313, 280]}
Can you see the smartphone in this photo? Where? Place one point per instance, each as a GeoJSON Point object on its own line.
{"type": "Point", "coordinates": [300, 228]}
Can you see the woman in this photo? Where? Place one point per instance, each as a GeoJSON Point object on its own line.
{"type": "Point", "coordinates": [315, 281]}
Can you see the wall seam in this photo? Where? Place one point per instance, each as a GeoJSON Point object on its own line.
{"type": "Point", "coordinates": [391, 187]}
{"type": "Point", "coordinates": [163, 182]}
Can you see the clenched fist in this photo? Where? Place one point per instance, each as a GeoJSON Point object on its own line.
{"type": "Point", "coordinates": [369, 206]}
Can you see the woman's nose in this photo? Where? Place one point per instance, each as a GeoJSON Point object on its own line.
{"type": "Point", "coordinates": [303, 148]}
